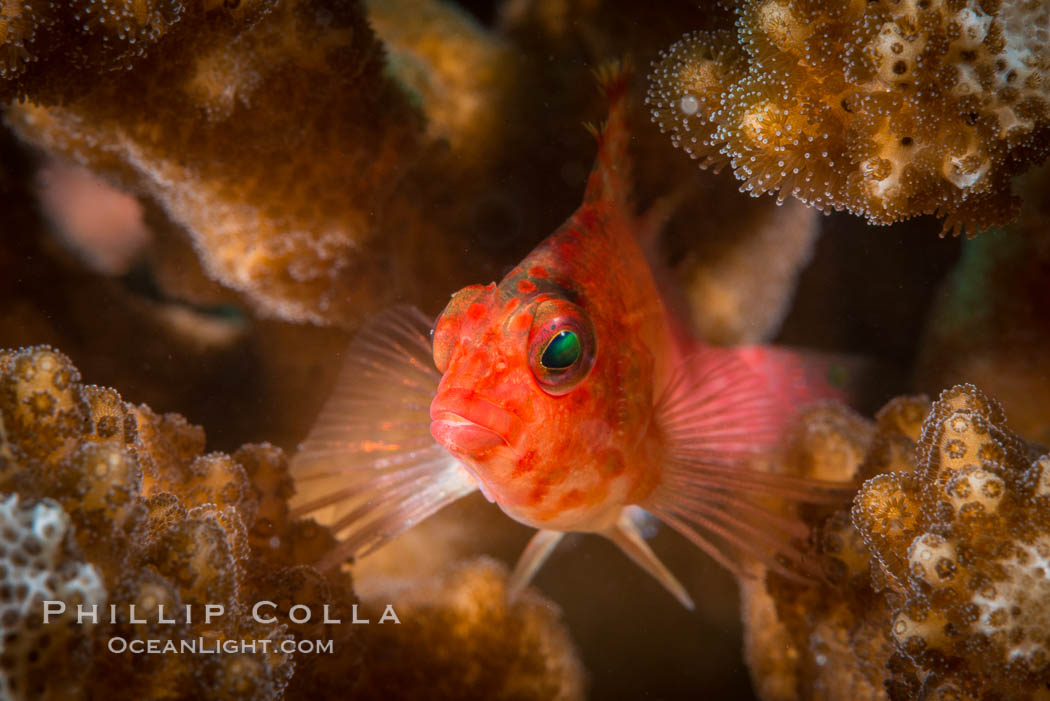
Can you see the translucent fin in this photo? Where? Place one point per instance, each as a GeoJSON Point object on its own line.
{"type": "Point", "coordinates": [722, 407]}
{"type": "Point", "coordinates": [532, 558]}
{"type": "Point", "coordinates": [369, 468]}
{"type": "Point", "coordinates": [626, 534]}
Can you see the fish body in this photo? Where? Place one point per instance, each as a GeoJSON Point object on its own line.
{"type": "Point", "coordinates": [569, 395]}
{"type": "Point", "coordinates": [569, 453]}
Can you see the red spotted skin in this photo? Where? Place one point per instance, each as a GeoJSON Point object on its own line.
{"type": "Point", "coordinates": [567, 462]}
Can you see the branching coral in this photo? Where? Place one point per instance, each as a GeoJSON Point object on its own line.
{"type": "Point", "coordinates": [142, 516]}
{"type": "Point", "coordinates": [939, 580]}
{"type": "Point", "coordinates": [163, 525]}
{"type": "Point", "coordinates": [297, 144]}
{"type": "Point", "coordinates": [885, 109]}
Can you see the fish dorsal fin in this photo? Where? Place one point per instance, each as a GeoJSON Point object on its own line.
{"type": "Point", "coordinates": [723, 407]}
{"type": "Point", "coordinates": [610, 179]}
{"type": "Point", "coordinates": [369, 468]}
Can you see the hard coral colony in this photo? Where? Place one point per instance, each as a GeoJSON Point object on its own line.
{"type": "Point", "coordinates": [289, 168]}
{"type": "Point", "coordinates": [885, 109]}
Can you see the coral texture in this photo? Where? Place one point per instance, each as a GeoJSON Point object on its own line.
{"type": "Point", "coordinates": [133, 512]}
{"type": "Point", "coordinates": [162, 523]}
{"type": "Point", "coordinates": [40, 563]}
{"type": "Point", "coordinates": [51, 49]}
{"type": "Point", "coordinates": [885, 109]}
{"type": "Point", "coordinates": [298, 142]}
{"type": "Point", "coordinates": [939, 578]}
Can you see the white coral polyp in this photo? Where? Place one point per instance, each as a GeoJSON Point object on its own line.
{"type": "Point", "coordinates": [36, 559]}
{"type": "Point", "coordinates": [1016, 611]}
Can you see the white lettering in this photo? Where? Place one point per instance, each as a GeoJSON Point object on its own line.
{"type": "Point", "coordinates": [356, 619]}
{"type": "Point", "coordinates": [259, 605]}
{"type": "Point", "coordinates": [82, 614]}
{"type": "Point", "coordinates": [211, 610]}
{"type": "Point", "coordinates": [113, 641]}
{"type": "Point", "coordinates": [389, 615]}
{"type": "Point", "coordinates": [304, 619]}
{"type": "Point", "coordinates": [53, 608]}
{"type": "Point", "coordinates": [131, 615]}
{"type": "Point", "coordinates": [160, 615]}
{"type": "Point", "coordinates": [327, 619]}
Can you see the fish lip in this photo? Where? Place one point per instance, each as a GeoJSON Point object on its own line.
{"type": "Point", "coordinates": [454, 420]}
{"type": "Point", "coordinates": [458, 407]}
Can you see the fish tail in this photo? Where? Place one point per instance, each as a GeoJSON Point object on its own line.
{"type": "Point", "coordinates": [610, 179]}
{"type": "Point", "coordinates": [722, 409]}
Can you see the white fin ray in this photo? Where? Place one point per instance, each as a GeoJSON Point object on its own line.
{"type": "Point", "coordinates": [369, 468]}
{"type": "Point", "coordinates": [625, 533]}
{"type": "Point", "coordinates": [531, 559]}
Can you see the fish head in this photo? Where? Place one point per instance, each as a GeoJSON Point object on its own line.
{"type": "Point", "coordinates": [541, 402]}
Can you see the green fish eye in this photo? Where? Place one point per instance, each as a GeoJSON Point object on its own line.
{"type": "Point", "coordinates": [562, 351]}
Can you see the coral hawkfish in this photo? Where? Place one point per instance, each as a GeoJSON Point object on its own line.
{"type": "Point", "coordinates": [570, 396]}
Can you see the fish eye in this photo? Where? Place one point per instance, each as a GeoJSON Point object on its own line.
{"type": "Point", "coordinates": [562, 351]}
{"type": "Point", "coordinates": [561, 346]}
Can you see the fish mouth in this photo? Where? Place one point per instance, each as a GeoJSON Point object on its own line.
{"type": "Point", "coordinates": [468, 424]}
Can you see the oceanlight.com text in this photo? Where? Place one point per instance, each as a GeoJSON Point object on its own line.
{"type": "Point", "coordinates": [209, 646]}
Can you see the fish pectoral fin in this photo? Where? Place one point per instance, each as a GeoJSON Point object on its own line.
{"type": "Point", "coordinates": [369, 468]}
{"type": "Point", "coordinates": [723, 409]}
{"type": "Point", "coordinates": [628, 537]}
{"type": "Point", "coordinates": [532, 558]}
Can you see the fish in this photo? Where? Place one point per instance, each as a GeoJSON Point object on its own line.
{"type": "Point", "coordinates": [571, 396]}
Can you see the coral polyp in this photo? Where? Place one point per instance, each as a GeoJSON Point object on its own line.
{"type": "Point", "coordinates": [938, 576]}
{"type": "Point", "coordinates": [888, 110]}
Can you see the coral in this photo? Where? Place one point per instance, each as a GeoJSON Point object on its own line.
{"type": "Point", "coordinates": [990, 324]}
{"type": "Point", "coordinates": [938, 578]}
{"type": "Point", "coordinates": [297, 143]}
{"type": "Point", "coordinates": [741, 293]}
{"type": "Point", "coordinates": [241, 128]}
{"type": "Point", "coordinates": [50, 48]}
{"type": "Point", "coordinates": [452, 65]}
{"type": "Point", "coordinates": [159, 521]}
{"type": "Point", "coordinates": [884, 109]}
{"type": "Point", "coordinates": [488, 649]}
{"type": "Point", "coordinates": [133, 507]}
{"type": "Point", "coordinates": [40, 563]}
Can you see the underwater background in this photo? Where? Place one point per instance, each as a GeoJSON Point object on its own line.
{"type": "Point", "coordinates": [201, 201]}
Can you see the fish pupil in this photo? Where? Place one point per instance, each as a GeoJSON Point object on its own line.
{"type": "Point", "coordinates": [562, 351]}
